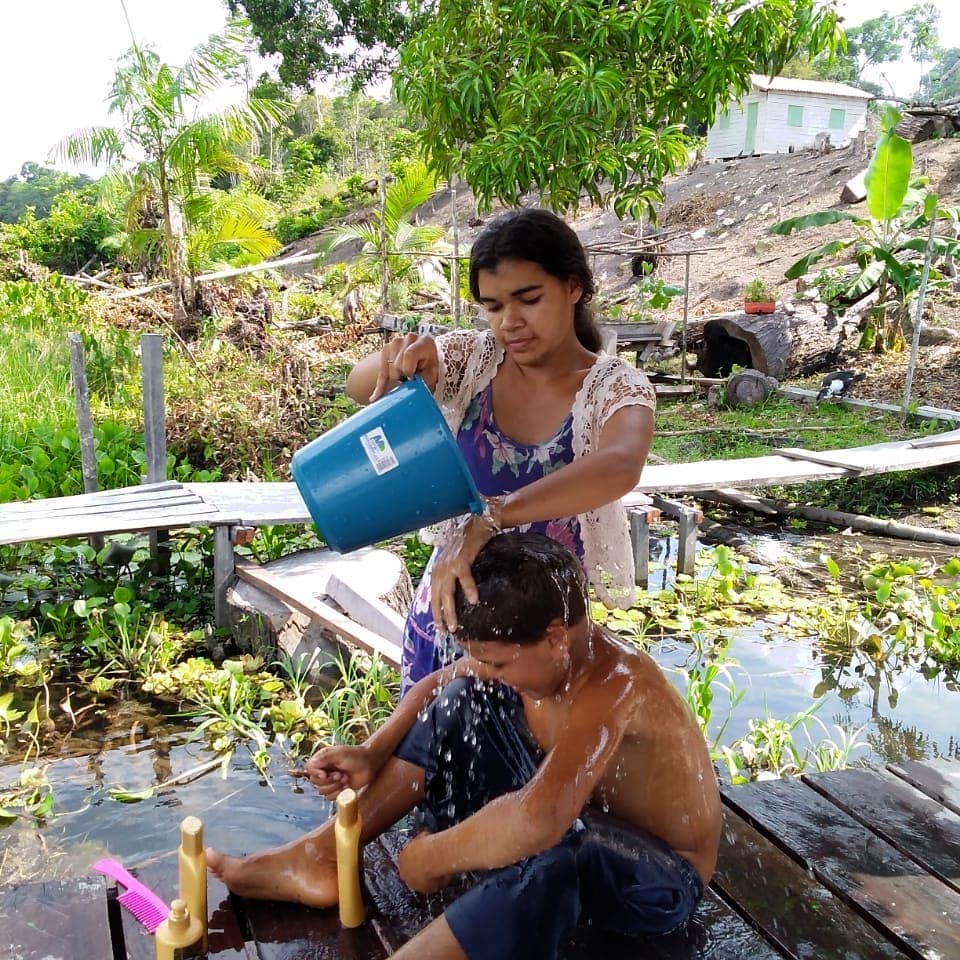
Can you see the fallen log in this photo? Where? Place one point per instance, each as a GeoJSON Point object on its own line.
{"type": "Point", "coordinates": [795, 340]}
{"type": "Point", "coordinates": [836, 518]}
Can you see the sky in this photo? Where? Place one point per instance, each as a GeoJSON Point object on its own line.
{"type": "Point", "coordinates": [59, 57]}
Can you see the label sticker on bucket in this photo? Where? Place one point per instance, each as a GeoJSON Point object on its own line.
{"type": "Point", "coordinates": [378, 451]}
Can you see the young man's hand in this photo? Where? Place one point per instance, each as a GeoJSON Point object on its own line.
{"type": "Point", "coordinates": [415, 869]}
{"type": "Point", "coordinates": [332, 769]}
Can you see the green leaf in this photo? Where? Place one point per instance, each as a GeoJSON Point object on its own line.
{"type": "Point", "coordinates": [127, 796]}
{"type": "Point", "coordinates": [888, 175]}
{"type": "Point", "coordinates": [832, 568]}
{"type": "Point", "coordinates": [821, 219]}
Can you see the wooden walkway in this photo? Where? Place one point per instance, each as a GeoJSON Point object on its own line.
{"type": "Point", "coordinates": [857, 865]}
{"type": "Point", "coordinates": [226, 507]}
{"type": "Point", "coordinates": [170, 505]}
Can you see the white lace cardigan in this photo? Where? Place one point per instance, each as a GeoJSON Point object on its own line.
{"type": "Point", "coordinates": [468, 362]}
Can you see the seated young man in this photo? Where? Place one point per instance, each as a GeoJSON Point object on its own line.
{"type": "Point", "coordinates": [557, 765]}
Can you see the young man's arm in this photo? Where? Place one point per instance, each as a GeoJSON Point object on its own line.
{"type": "Point", "coordinates": [536, 817]}
{"type": "Point", "coordinates": [332, 769]}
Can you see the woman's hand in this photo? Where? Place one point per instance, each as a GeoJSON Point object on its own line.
{"type": "Point", "coordinates": [332, 769]}
{"type": "Point", "coordinates": [403, 357]}
{"type": "Point", "coordinates": [463, 544]}
{"type": "Point", "coordinates": [413, 864]}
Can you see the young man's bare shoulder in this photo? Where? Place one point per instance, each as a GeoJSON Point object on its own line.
{"type": "Point", "coordinates": [616, 657]}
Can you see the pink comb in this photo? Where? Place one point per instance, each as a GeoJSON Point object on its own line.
{"type": "Point", "coordinates": [139, 899]}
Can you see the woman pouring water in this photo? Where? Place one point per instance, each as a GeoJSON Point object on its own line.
{"type": "Point", "coordinates": [553, 432]}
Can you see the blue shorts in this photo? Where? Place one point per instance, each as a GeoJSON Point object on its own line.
{"type": "Point", "coordinates": [473, 745]}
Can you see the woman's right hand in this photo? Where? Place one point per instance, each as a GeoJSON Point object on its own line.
{"type": "Point", "coordinates": [402, 358]}
{"type": "Point", "coordinates": [332, 769]}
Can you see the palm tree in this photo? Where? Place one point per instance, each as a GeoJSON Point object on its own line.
{"type": "Point", "coordinates": [389, 230]}
{"type": "Point", "coordinates": [170, 156]}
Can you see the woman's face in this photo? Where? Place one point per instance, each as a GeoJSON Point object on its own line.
{"type": "Point", "coordinates": [529, 310]}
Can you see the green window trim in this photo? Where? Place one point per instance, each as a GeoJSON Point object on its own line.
{"type": "Point", "coordinates": [838, 118]}
{"type": "Point", "coordinates": [794, 115]}
{"type": "Point", "coordinates": [723, 121]}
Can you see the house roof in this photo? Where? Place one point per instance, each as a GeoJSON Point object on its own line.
{"type": "Point", "coordinates": [820, 87]}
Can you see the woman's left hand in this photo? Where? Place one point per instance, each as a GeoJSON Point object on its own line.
{"type": "Point", "coordinates": [453, 566]}
{"type": "Point", "coordinates": [413, 866]}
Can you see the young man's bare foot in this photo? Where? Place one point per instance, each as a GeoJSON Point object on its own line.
{"type": "Point", "coordinates": [296, 872]}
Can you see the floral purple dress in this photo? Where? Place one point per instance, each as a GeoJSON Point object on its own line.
{"type": "Point", "coordinates": [499, 465]}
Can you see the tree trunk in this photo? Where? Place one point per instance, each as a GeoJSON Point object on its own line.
{"type": "Point", "coordinates": [174, 235]}
{"type": "Point", "coordinates": [790, 342]}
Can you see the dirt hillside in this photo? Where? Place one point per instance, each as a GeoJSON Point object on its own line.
{"type": "Point", "coordinates": [726, 208]}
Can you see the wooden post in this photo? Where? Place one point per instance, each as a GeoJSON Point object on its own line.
{"type": "Point", "coordinates": [154, 422]}
{"type": "Point", "coordinates": [918, 319]}
{"type": "Point", "coordinates": [385, 275]}
{"type": "Point", "coordinates": [686, 311]}
{"type": "Point", "coordinates": [223, 572]}
{"type": "Point", "coordinates": [640, 541]}
{"type": "Point", "coordinates": [689, 520]}
{"type": "Point", "coordinates": [88, 448]}
{"type": "Point", "coordinates": [687, 541]}
{"type": "Point", "coordinates": [455, 262]}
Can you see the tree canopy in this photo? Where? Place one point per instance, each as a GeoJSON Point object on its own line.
{"type": "Point", "coordinates": [317, 38]}
{"type": "Point", "coordinates": [36, 187]}
{"type": "Point", "coordinates": [585, 96]}
{"type": "Point", "coordinates": [166, 156]}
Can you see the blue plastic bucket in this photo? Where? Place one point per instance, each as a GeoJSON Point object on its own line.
{"type": "Point", "coordinates": [392, 467]}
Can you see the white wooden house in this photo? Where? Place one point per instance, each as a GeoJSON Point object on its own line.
{"type": "Point", "coordinates": [782, 114]}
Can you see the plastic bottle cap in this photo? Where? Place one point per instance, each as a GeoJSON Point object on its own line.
{"type": "Point", "coordinates": [191, 835]}
{"type": "Point", "coordinates": [179, 918]}
{"type": "Point", "coordinates": [347, 807]}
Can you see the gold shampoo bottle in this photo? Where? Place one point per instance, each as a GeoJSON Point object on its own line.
{"type": "Point", "coordinates": [192, 859]}
{"type": "Point", "coordinates": [347, 833]}
{"type": "Point", "coordinates": [179, 935]}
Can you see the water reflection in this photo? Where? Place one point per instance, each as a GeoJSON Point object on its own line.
{"type": "Point", "coordinates": [240, 813]}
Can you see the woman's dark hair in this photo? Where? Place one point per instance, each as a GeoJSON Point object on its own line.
{"type": "Point", "coordinates": [540, 237]}
{"type": "Point", "coordinates": [525, 581]}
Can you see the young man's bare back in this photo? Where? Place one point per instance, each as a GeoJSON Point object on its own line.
{"type": "Point", "coordinates": [532, 733]}
{"type": "Point", "coordinates": [661, 778]}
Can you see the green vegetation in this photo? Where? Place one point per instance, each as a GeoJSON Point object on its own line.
{"type": "Point", "coordinates": [587, 97]}
{"type": "Point", "coordinates": [898, 210]}
{"type": "Point", "coordinates": [695, 431]}
{"type": "Point", "coordinates": [258, 368]}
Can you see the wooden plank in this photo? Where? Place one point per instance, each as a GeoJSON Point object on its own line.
{"type": "Point", "coordinates": [289, 931]}
{"type": "Point", "coordinates": [951, 436]}
{"type": "Point", "coordinates": [716, 932]}
{"type": "Point", "coordinates": [823, 457]}
{"type": "Point", "coordinates": [914, 910]}
{"type": "Point", "coordinates": [917, 825]}
{"type": "Point", "coordinates": [939, 779]}
{"type": "Point", "coordinates": [57, 920]}
{"type": "Point", "coordinates": [369, 611]}
{"type": "Point", "coordinates": [68, 511]}
{"type": "Point", "coordinates": [226, 940]}
{"type": "Point", "coordinates": [157, 492]}
{"type": "Point", "coordinates": [321, 612]}
{"type": "Point", "coordinates": [257, 504]}
{"type": "Point", "coordinates": [54, 529]}
{"type": "Point", "coordinates": [787, 904]}
{"type": "Point", "coordinates": [922, 413]}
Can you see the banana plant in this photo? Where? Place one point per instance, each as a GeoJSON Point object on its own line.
{"type": "Point", "coordinates": [885, 240]}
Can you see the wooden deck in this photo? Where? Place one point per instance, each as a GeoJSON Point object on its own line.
{"type": "Point", "coordinates": [171, 505]}
{"type": "Point", "coordinates": [857, 865]}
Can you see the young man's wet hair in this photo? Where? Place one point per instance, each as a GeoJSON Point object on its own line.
{"type": "Point", "coordinates": [525, 581]}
